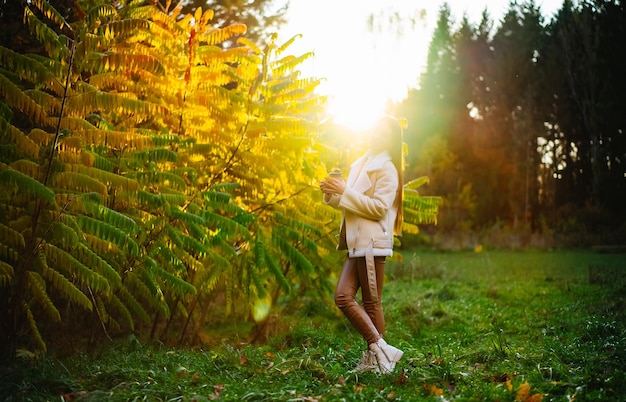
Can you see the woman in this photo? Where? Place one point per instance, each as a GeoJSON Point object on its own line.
{"type": "Point", "coordinates": [371, 201]}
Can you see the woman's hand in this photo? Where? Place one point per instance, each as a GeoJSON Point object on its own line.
{"type": "Point", "coordinates": [331, 185]}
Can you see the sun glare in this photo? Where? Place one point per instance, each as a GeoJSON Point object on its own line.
{"type": "Point", "coordinates": [363, 66]}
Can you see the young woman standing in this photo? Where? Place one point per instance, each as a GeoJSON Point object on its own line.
{"type": "Point", "coordinates": [371, 202]}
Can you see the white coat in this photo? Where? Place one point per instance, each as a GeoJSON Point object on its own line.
{"type": "Point", "coordinates": [368, 207]}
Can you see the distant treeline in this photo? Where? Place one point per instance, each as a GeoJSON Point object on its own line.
{"type": "Point", "coordinates": [520, 123]}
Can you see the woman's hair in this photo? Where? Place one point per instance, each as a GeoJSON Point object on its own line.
{"type": "Point", "coordinates": [396, 150]}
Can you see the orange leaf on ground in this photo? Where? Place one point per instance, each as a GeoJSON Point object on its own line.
{"type": "Point", "coordinates": [522, 392]}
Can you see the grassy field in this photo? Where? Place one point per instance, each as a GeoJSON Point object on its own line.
{"type": "Point", "coordinates": [491, 325]}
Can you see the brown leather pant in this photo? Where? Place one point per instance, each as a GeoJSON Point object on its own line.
{"type": "Point", "coordinates": [368, 319]}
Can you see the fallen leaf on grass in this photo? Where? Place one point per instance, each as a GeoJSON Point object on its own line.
{"type": "Point", "coordinates": [74, 395]}
{"type": "Point", "coordinates": [522, 392]}
{"type": "Point", "coordinates": [401, 379]}
{"type": "Point", "coordinates": [433, 390]}
{"type": "Point", "coordinates": [217, 389]}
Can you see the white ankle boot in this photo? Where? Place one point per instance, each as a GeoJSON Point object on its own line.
{"type": "Point", "coordinates": [386, 355]}
{"type": "Point", "coordinates": [368, 363]}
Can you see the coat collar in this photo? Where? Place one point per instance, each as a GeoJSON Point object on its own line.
{"type": "Point", "coordinates": [373, 163]}
{"type": "Point", "coordinates": [364, 165]}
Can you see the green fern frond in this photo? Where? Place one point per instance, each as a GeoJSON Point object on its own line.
{"type": "Point", "coordinates": [249, 44]}
{"type": "Point", "coordinates": [6, 274]}
{"type": "Point", "coordinates": [186, 217]}
{"type": "Point", "coordinates": [219, 35]}
{"type": "Point", "coordinates": [142, 284]}
{"type": "Point", "coordinates": [165, 140]}
{"type": "Point", "coordinates": [116, 304]}
{"type": "Point", "coordinates": [11, 237]}
{"type": "Point", "coordinates": [116, 62]}
{"type": "Point", "coordinates": [44, 34]}
{"type": "Point", "coordinates": [413, 200]}
{"type": "Point", "coordinates": [157, 155]}
{"type": "Point", "coordinates": [265, 260]}
{"type": "Point", "coordinates": [297, 225]}
{"type": "Point", "coordinates": [193, 246]}
{"type": "Point", "coordinates": [206, 280]}
{"type": "Point", "coordinates": [101, 310]}
{"type": "Point", "coordinates": [108, 178]}
{"type": "Point", "coordinates": [189, 260]}
{"type": "Point", "coordinates": [289, 42]}
{"type": "Point", "coordinates": [220, 222]}
{"type": "Point", "coordinates": [165, 254]}
{"type": "Point", "coordinates": [131, 303]}
{"type": "Point", "coordinates": [99, 14]}
{"type": "Point", "coordinates": [37, 287]}
{"type": "Point", "coordinates": [100, 162]}
{"type": "Point", "coordinates": [27, 167]}
{"type": "Point", "coordinates": [98, 264]}
{"type": "Point", "coordinates": [290, 63]}
{"type": "Point", "coordinates": [292, 254]}
{"type": "Point", "coordinates": [177, 285]}
{"type": "Point", "coordinates": [111, 217]}
{"type": "Point", "coordinates": [33, 327]}
{"type": "Point", "coordinates": [62, 285]}
{"type": "Point", "coordinates": [49, 12]}
{"type": "Point", "coordinates": [78, 182]}
{"type": "Point", "coordinates": [18, 181]}
{"type": "Point", "coordinates": [150, 200]}
{"type": "Point", "coordinates": [102, 247]}
{"type": "Point", "coordinates": [75, 124]}
{"type": "Point", "coordinates": [85, 103]}
{"type": "Point", "coordinates": [420, 217]}
{"type": "Point", "coordinates": [416, 183]}
{"type": "Point", "coordinates": [62, 235]}
{"type": "Point", "coordinates": [108, 232]}
{"type": "Point", "coordinates": [60, 259]}
{"type": "Point", "coordinates": [122, 28]}
{"type": "Point", "coordinates": [174, 199]}
{"type": "Point", "coordinates": [49, 103]}
{"type": "Point", "coordinates": [166, 178]}
{"type": "Point", "coordinates": [217, 198]}
{"type": "Point", "coordinates": [23, 223]}
{"type": "Point", "coordinates": [11, 134]}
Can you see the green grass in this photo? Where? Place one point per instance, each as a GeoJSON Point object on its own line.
{"type": "Point", "coordinates": [474, 326]}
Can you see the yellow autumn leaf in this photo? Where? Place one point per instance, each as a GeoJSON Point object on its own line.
{"type": "Point", "coordinates": [522, 392]}
{"type": "Point", "coordinates": [509, 386]}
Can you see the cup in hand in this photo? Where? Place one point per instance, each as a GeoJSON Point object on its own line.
{"type": "Point", "coordinates": [336, 174]}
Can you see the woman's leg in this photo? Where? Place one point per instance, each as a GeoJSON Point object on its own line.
{"type": "Point", "coordinates": [347, 287]}
{"type": "Point", "coordinates": [374, 309]}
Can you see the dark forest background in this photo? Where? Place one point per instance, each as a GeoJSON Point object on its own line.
{"type": "Point", "coordinates": [519, 124]}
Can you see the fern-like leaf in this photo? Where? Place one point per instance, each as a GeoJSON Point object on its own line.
{"type": "Point", "coordinates": [6, 274]}
{"type": "Point", "coordinates": [108, 232]}
{"type": "Point", "coordinates": [116, 304]}
{"type": "Point", "coordinates": [12, 135]}
{"type": "Point", "coordinates": [30, 319]}
{"type": "Point", "coordinates": [17, 181]}
{"type": "Point", "coordinates": [37, 287]}
{"type": "Point", "coordinates": [61, 260]}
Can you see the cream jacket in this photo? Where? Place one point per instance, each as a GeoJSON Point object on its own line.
{"type": "Point", "coordinates": [368, 206]}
